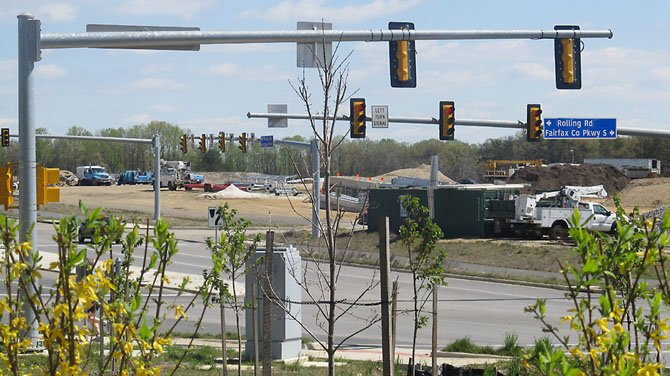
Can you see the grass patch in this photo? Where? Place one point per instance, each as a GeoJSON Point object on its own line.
{"type": "Point", "coordinates": [514, 254]}
{"type": "Point", "coordinates": [201, 355]}
{"type": "Point", "coordinates": [465, 345]}
{"type": "Point", "coordinates": [204, 335]}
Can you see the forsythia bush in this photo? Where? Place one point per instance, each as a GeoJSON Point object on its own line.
{"type": "Point", "coordinates": [135, 332]}
{"type": "Point", "coordinates": [618, 293]}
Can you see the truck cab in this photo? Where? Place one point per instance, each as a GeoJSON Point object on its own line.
{"type": "Point", "coordinates": [602, 219]}
{"type": "Point", "coordinates": [93, 175]}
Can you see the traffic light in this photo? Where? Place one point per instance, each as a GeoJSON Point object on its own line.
{"type": "Point", "coordinates": [222, 142]}
{"type": "Point", "coordinates": [533, 122]}
{"type": "Point", "coordinates": [5, 137]}
{"type": "Point", "coordinates": [46, 177]}
{"type": "Point", "coordinates": [357, 117]}
{"type": "Point", "coordinates": [447, 120]}
{"type": "Point", "coordinates": [6, 186]}
{"type": "Point", "coordinates": [203, 143]}
{"type": "Point", "coordinates": [243, 142]}
{"type": "Point", "coordinates": [183, 144]}
{"type": "Point", "coordinates": [402, 58]}
{"type": "Point", "coordinates": [568, 61]}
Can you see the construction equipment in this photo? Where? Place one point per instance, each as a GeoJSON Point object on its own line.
{"type": "Point", "coordinates": [512, 165]}
{"type": "Point", "coordinates": [177, 174]}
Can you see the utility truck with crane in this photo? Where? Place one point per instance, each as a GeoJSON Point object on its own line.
{"type": "Point", "coordinates": [178, 174]}
{"type": "Point", "coordinates": [549, 213]}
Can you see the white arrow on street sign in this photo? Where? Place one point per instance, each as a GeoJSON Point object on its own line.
{"type": "Point", "coordinates": [214, 219]}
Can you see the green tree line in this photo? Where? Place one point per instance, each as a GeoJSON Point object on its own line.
{"type": "Point", "coordinates": [458, 160]}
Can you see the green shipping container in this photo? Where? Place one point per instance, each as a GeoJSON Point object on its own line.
{"type": "Point", "coordinates": [386, 203]}
{"type": "Point", "coordinates": [458, 212]}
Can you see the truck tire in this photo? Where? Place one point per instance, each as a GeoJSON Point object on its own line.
{"type": "Point", "coordinates": [172, 186]}
{"type": "Point", "coordinates": [559, 231]}
{"type": "Point", "coordinates": [207, 187]}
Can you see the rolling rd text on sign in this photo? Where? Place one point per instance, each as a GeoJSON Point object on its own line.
{"type": "Point", "coordinates": [562, 128]}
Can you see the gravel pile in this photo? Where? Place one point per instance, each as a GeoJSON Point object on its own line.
{"type": "Point", "coordinates": [657, 214]}
{"type": "Point", "coordinates": [230, 192]}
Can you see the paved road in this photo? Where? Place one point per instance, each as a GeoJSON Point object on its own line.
{"type": "Point", "coordinates": [483, 311]}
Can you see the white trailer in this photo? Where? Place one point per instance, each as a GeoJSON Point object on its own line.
{"type": "Point", "coordinates": [634, 168]}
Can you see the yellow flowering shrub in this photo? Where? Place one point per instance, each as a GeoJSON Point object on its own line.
{"type": "Point", "coordinates": [85, 277]}
{"type": "Point", "coordinates": [615, 326]}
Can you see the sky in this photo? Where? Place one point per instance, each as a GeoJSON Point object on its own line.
{"type": "Point", "coordinates": [211, 91]}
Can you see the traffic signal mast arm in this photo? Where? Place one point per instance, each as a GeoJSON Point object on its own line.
{"type": "Point", "coordinates": [512, 124]}
{"type": "Point", "coordinates": [155, 39]}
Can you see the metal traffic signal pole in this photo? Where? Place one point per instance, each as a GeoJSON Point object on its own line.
{"type": "Point", "coordinates": [517, 124]}
{"type": "Point", "coordinates": [29, 53]}
{"type": "Point", "coordinates": [155, 144]}
{"type": "Point", "coordinates": [316, 180]}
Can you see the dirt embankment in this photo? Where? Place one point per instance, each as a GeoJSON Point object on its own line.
{"type": "Point", "coordinates": [552, 178]}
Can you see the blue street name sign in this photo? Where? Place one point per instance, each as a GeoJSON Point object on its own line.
{"type": "Point", "coordinates": [266, 141]}
{"type": "Point", "coordinates": [575, 128]}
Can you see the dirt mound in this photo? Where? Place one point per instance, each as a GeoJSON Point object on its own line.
{"type": "Point", "coordinates": [420, 172]}
{"type": "Point", "coordinates": [553, 177]}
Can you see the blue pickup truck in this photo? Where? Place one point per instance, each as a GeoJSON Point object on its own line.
{"type": "Point", "coordinates": [134, 177]}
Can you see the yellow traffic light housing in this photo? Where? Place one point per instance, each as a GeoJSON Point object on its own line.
{"type": "Point", "coordinates": [568, 61]}
{"type": "Point", "coordinates": [5, 137]}
{"type": "Point", "coordinates": [447, 120]}
{"type": "Point", "coordinates": [183, 144]}
{"type": "Point", "coordinates": [357, 117]}
{"type": "Point", "coordinates": [6, 186]}
{"type": "Point", "coordinates": [533, 122]}
{"type": "Point", "coordinates": [243, 142]}
{"type": "Point", "coordinates": [46, 177]}
{"type": "Point", "coordinates": [203, 143]}
{"type": "Point", "coordinates": [402, 57]}
{"type": "Point", "coordinates": [222, 142]}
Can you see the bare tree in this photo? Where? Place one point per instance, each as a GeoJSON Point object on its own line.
{"type": "Point", "coordinates": [322, 290]}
